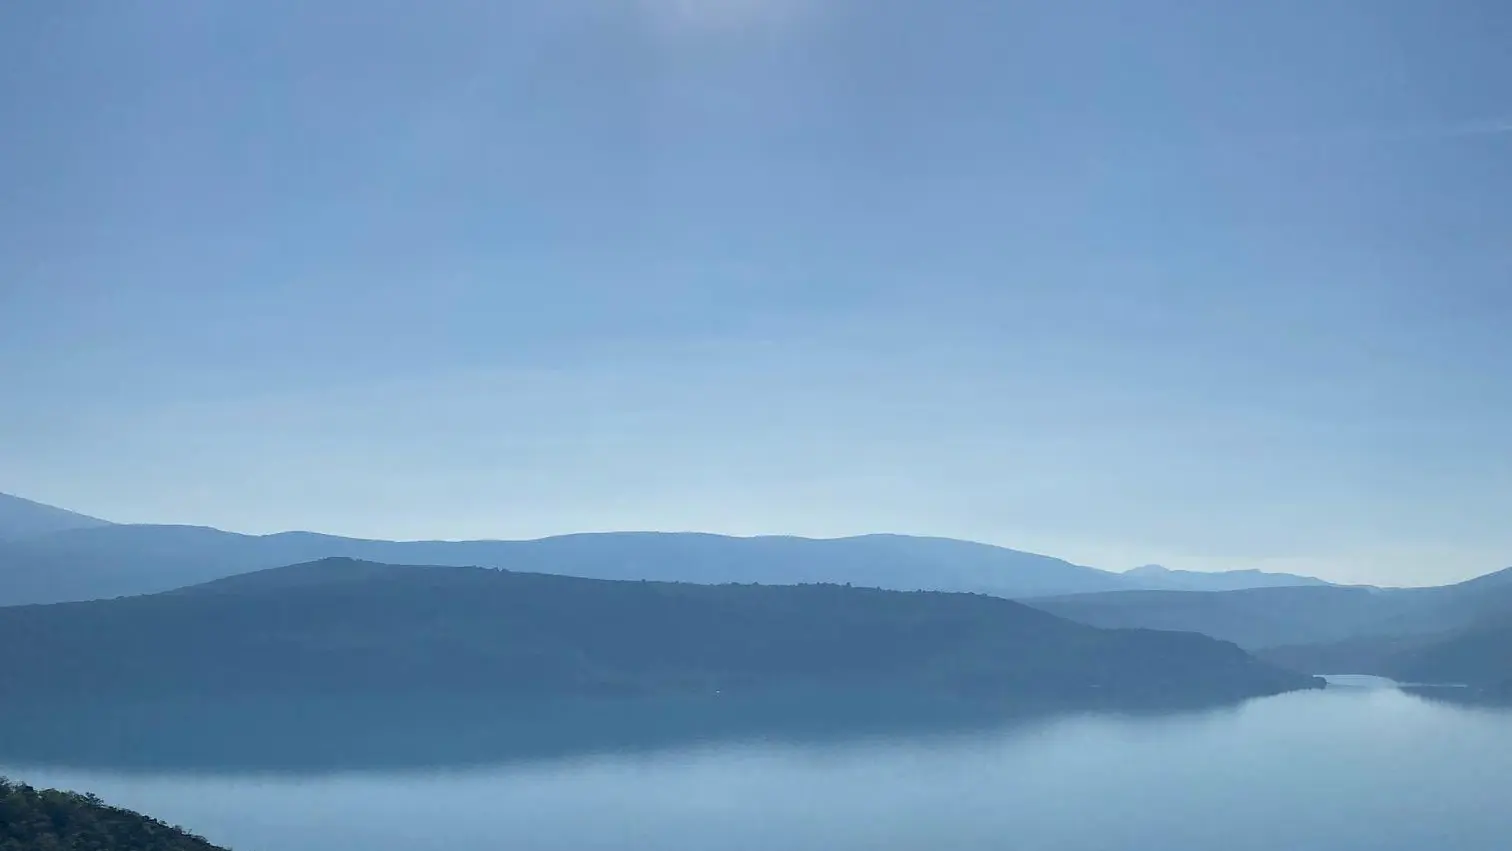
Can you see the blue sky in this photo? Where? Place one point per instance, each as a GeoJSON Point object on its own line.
{"type": "Point", "coordinates": [1211, 285]}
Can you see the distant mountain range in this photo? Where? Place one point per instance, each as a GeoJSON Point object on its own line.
{"type": "Point", "coordinates": [342, 627]}
{"type": "Point", "coordinates": [1458, 633]}
{"type": "Point", "coordinates": [22, 518]}
{"type": "Point", "coordinates": [1153, 577]}
{"type": "Point", "coordinates": [1453, 632]}
{"type": "Point", "coordinates": [115, 561]}
{"type": "Point", "coordinates": [81, 558]}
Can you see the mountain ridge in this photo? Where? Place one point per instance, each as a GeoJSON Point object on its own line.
{"type": "Point", "coordinates": [23, 518]}
{"type": "Point", "coordinates": [344, 626]}
{"type": "Point", "coordinates": [103, 561]}
{"type": "Point", "coordinates": [1160, 578]}
{"type": "Point", "coordinates": [135, 559]}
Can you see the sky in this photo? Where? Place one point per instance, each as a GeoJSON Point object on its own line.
{"type": "Point", "coordinates": [1209, 285]}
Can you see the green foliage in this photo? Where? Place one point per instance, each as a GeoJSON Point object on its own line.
{"type": "Point", "coordinates": [50, 820]}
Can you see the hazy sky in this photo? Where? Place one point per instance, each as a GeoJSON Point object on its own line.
{"type": "Point", "coordinates": [1214, 284]}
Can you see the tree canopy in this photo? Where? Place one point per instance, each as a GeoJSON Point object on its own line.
{"type": "Point", "coordinates": [51, 820]}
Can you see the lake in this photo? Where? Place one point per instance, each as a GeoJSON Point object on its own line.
{"type": "Point", "coordinates": [1354, 768]}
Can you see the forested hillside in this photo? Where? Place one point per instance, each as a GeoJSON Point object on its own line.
{"type": "Point", "coordinates": [50, 820]}
{"type": "Point", "coordinates": [349, 627]}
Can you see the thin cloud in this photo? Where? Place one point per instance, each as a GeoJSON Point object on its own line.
{"type": "Point", "coordinates": [1496, 127]}
{"type": "Point", "coordinates": [722, 15]}
{"type": "Point", "coordinates": [1401, 134]}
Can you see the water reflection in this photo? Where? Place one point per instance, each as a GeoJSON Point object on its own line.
{"type": "Point", "coordinates": [1360, 681]}
{"type": "Point", "coordinates": [1347, 769]}
{"type": "Point", "coordinates": [339, 734]}
{"type": "Point", "coordinates": [1467, 698]}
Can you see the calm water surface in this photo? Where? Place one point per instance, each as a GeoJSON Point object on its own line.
{"type": "Point", "coordinates": [1364, 768]}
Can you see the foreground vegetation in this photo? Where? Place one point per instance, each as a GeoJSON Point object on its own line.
{"type": "Point", "coordinates": [47, 819]}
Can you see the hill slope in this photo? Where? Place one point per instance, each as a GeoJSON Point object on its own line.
{"type": "Point", "coordinates": [344, 627]}
{"type": "Point", "coordinates": [1252, 618]}
{"type": "Point", "coordinates": [22, 518]}
{"type": "Point", "coordinates": [123, 560]}
{"type": "Point", "coordinates": [1285, 617]}
{"type": "Point", "coordinates": [37, 819]}
{"type": "Point", "coordinates": [1479, 656]}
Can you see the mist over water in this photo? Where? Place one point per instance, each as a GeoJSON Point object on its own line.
{"type": "Point", "coordinates": [1359, 767]}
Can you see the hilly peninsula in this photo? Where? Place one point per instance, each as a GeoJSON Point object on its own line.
{"type": "Point", "coordinates": [351, 628]}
